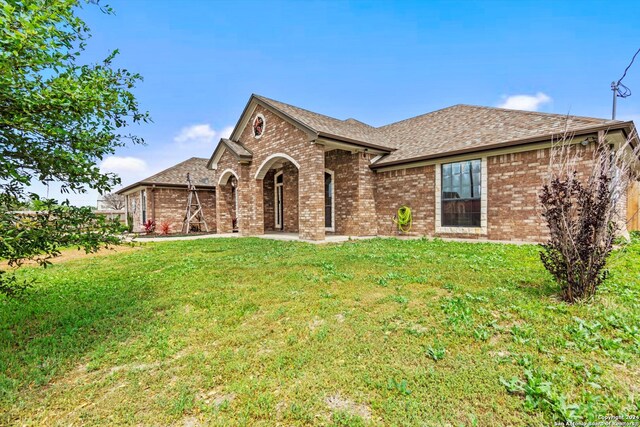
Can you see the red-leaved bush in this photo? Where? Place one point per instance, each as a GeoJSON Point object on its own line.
{"type": "Point", "coordinates": [165, 227]}
{"type": "Point", "coordinates": [149, 226]}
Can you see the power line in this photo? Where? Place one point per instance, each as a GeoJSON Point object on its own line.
{"type": "Point", "coordinates": [620, 90]}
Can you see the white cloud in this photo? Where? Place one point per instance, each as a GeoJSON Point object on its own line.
{"type": "Point", "coordinates": [525, 102]}
{"type": "Point", "coordinates": [198, 134]}
{"type": "Point", "coordinates": [122, 164]}
{"type": "Point", "coordinates": [129, 169]}
{"type": "Point", "coordinates": [226, 132]}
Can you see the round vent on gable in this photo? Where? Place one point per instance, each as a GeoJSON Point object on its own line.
{"type": "Point", "coordinates": [259, 124]}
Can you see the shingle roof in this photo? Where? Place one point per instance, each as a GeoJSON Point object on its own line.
{"type": "Point", "coordinates": [237, 148]}
{"type": "Point", "coordinates": [463, 127]}
{"type": "Point", "coordinates": [349, 129]}
{"type": "Point", "coordinates": [442, 132]}
{"type": "Point", "coordinates": [176, 175]}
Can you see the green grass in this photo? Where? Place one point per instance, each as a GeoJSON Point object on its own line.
{"type": "Point", "coordinates": [377, 332]}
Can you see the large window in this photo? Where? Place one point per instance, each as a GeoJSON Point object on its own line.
{"type": "Point", "coordinates": [328, 200]}
{"type": "Point", "coordinates": [461, 194]}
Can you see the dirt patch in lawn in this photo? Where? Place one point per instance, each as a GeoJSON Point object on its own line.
{"type": "Point", "coordinates": [339, 403]}
{"type": "Point", "coordinates": [73, 254]}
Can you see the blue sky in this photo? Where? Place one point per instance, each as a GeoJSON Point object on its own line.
{"type": "Point", "coordinates": [378, 62]}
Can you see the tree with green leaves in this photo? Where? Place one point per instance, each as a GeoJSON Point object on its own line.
{"type": "Point", "coordinates": [59, 117]}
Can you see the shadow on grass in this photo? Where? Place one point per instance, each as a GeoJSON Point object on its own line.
{"type": "Point", "coordinates": [69, 314]}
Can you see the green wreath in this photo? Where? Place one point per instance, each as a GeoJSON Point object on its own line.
{"type": "Point", "coordinates": [403, 219]}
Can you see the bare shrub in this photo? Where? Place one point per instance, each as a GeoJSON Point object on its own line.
{"type": "Point", "coordinates": [584, 213]}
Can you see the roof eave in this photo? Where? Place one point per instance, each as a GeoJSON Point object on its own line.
{"type": "Point", "coordinates": [225, 145]}
{"type": "Point", "coordinates": [160, 184]}
{"type": "Point", "coordinates": [356, 142]}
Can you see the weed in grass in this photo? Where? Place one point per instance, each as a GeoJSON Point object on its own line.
{"type": "Point", "coordinates": [436, 352]}
{"type": "Point", "coordinates": [481, 334]}
{"type": "Point", "coordinates": [331, 273]}
{"type": "Point", "coordinates": [401, 386]}
{"type": "Point", "coordinates": [522, 334]}
{"type": "Point", "coordinates": [184, 402]}
{"type": "Point", "coordinates": [457, 311]}
{"type": "Point", "coordinates": [400, 299]}
{"type": "Point", "coordinates": [345, 419]}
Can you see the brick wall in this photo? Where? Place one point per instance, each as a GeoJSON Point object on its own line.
{"type": "Point", "coordinates": [224, 201]}
{"type": "Point", "coordinates": [514, 182]}
{"type": "Point", "coordinates": [291, 201]}
{"type": "Point", "coordinates": [280, 136]}
{"type": "Point", "coordinates": [414, 187]}
{"type": "Point", "coordinates": [269, 199]}
{"type": "Point", "coordinates": [171, 207]}
{"type": "Point", "coordinates": [290, 198]}
{"type": "Point", "coordinates": [344, 167]}
{"type": "Point", "coordinates": [367, 218]}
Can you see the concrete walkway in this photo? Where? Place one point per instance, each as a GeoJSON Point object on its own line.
{"type": "Point", "coordinates": [289, 237]}
{"type": "Point", "coordinates": [294, 237]}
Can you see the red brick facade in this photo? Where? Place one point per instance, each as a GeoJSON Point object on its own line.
{"type": "Point", "coordinates": [413, 187]}
{"type": "Point", "coordinates": [365, 201]}
{"type": "Point", "coordinates": [169, 204]}
{"type": "Point", "coordinates": [514, 183]}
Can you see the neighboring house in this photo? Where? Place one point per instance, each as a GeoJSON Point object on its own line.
{"type": "Point", "coordinates": [120, 215]}
{"type": "Point", "coordinates": [163, 197]}
{"type": "Point", "coordinates": [465, 171]}
{"type": "Point", "coordinates": [107, 210]}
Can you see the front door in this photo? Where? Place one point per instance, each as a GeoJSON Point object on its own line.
{"type": "Point", "coordinates": [279, 206]}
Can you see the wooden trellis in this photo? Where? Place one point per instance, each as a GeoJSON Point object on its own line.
{"type": "Point", "coordinates": [194, 219]}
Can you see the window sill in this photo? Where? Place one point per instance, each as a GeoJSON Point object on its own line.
{"type": "Point", "coordinates": [462, 230]}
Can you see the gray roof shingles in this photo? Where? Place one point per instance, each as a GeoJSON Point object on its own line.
{"type": "Point", "coordinates": [196, 167]}
{"type": "Point", "coordinates": [350, 129]}
{"type": "Point", "coordinates": [449, 130]}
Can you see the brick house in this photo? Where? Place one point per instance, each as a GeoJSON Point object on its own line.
{"type": "Point", "coordinates": [465, 171]}
{"type": "Point", "coordinates": [163, 196]}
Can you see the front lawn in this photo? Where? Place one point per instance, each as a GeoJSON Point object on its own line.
{"type": "Point", "coordinates": [259, 332]}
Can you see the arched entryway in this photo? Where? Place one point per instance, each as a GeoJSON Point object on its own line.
{"type": "Point", "coordinates": [279, 175]}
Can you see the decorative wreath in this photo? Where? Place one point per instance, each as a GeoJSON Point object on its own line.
{"type": "Point", "coordinates": [258, 126]}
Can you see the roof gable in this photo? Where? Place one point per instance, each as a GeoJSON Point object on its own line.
{"type": "Point", "coordinates": [237, 149]}
{"type": "Point", "coordinates": [316, 125]}
{"type": "Point", "coordinates": [176, 175]}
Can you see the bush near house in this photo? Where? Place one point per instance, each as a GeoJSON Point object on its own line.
{"type": "Point", "coordinates": [377, 332]}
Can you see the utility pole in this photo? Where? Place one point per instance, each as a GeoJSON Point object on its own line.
{"type": "Point", "coordinates": [620, 90]}
{"type": "Point", "coordinates": [614, 89]}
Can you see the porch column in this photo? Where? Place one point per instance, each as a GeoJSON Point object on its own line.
{"type": "Point", "coordinates": [224, 208]}
{"type": "Point", "coordinates": [250, 203]}
{"type": "Point", "coordinates": [311, 191]}
{"type": "Point", "coordinates": [367, 215]}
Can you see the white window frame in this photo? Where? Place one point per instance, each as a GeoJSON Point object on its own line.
{"type": "Point", "coordinates": [333, 199]}
{"type": "Point", "coordinates": [482, 230]}
{"type": "Point", "coordinates": [275, 201]}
